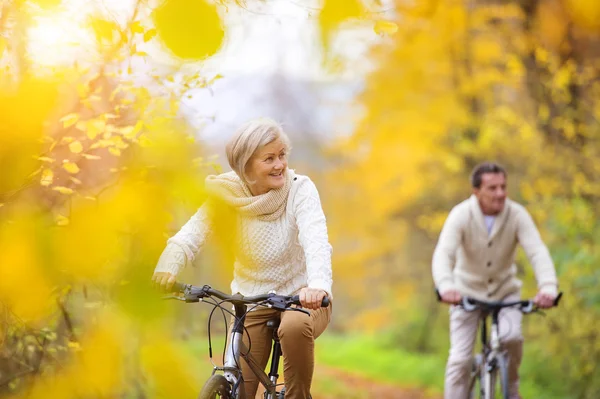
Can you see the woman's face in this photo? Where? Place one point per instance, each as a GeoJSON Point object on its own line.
{"type": "Point", "coordinates": [267, 167]}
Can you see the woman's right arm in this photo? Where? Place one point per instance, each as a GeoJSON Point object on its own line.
{"type": "Point", "coordinates": [182, 248]}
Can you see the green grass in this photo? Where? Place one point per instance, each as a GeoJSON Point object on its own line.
{"type": "Point", "coordinates": [377, 359]}
{"type": "Point", "coordinates": [371, 357]}
{"type": "Point", "coordinates": [366, 356]}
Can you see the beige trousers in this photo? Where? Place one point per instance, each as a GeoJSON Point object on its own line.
{"type": "Point", "coordinates": [297, 333]}
{"type": "Point", "coordinates": [463, 332]}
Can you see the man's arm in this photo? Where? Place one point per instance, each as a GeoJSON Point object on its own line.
{"type": "Point", "coordinates": [538, 255]}
{"type": "Point", "coordinates": [444, 256]}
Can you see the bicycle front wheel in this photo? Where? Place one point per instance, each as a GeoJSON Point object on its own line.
{"type": "Point", "coordinates": [217, 386]}
{"type": "Point", "coordinates": [497, 380]}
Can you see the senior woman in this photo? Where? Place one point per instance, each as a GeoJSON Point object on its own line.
{"type": "Point", "coordinates": [281, 246]}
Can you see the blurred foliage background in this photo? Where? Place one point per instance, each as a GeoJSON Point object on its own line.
{"type": "Point", "coordinates": [100, 164]}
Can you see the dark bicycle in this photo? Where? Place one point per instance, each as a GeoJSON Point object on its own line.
{"type": "Point", "coordinates": [230, 384]}
{"type": "Point", "coordinates": [490, 367]}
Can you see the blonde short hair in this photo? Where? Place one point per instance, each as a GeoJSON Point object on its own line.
{"type": "Point", "coordinates": [248, 138]}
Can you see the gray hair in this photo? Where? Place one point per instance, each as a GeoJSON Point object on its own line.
{"type": "Point", "coordinates": [248, 138]}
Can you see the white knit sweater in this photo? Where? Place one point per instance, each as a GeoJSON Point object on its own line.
{"type": "Point", "coordinates": [283, 255]}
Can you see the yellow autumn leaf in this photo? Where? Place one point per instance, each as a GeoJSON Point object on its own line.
{"type": "Point", "coordinates": [75, 147]}
{"type": "Point", "coordinates": [63, 190]}
{"type": "Point", "coordinates": [94, 127]}
{"type": "Point", "coordinates": [115, 151]}
{"type": "Point", "coordinates": [45, 159]}
{"type": "Point", "coordinates": [71, 167]}
{"type": "Point", "coordinates": [69, 120]}
{"type": "Point", "coordinates": [126, 131]}
{"type": "Point", "coordinates": [91, 157]}
{"type": "Point", "coordinates": [47, 177]}
{"type": "Point", "coordinates": [191, 29]}
{"type": "Point", "coordinates": [145, 141]}
{"type": "Point", "coordinates": [385, 27]}
{"type": "Point", "coordinates": [585, 13]}
{"type": "Point", "coordinates": [137, 27]}
{"type": "Point", "coordinates": [149, 34]}
{"type": "Point", "coordinates": [104, 30]}
{"type": "Point", "coordinates": [74, 180]}
{"type": "Point", "coordinates": [335, 12]}
{"type": "Point", "coordinates": [46, 3]}
{"type": "Point", "coordinates": [61, 220]}
{"type": "Point", "coordinates": [67, 139]}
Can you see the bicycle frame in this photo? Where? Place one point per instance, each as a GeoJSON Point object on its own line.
{"type": "Point", "coordinates": [490, 351]}
{"type": "Point", "coordinates": [237, 349]}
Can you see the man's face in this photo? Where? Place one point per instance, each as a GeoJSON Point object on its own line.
{"type": "Point", "coordinates": [492, 193]}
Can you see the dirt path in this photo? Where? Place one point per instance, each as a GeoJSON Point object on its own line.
{"type": "Point", "coordinates": [332, 383]}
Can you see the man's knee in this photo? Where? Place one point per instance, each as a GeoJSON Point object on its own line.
{"type": "Point", "coordinates": [512, 338]}
{"type": "Point", "coordinates": [459, 362]}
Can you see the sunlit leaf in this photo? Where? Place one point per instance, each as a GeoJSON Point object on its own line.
{"type": "Point", "coordinates": [149, 34]}
{"type": "Point", "coordinates": [334, 13]}
{"type": "Point", "coordinates": [71, 167]}
{"type": "Point", "coordinates": [191, 29]}
{"type": "Point", "coordinates": [91, 157]}
{"type": "Point", "coordinates": [47, 177]}
{"type": "Point", "coordinates": [69, 120]}
{"type": "Point", "coordinates": [46, 159]}
{"type": "Point", "coordinates": [115, 151]}
{"type": "Point", "coordinates": [95, 127]}
{"type": "Point", "coordinates": [385, 27]}
{"type": "Point", "coordinates": [75, 147]}
{"type": "Point", "coordinates": [61, 220]}
{"type": "Point", "coordinates": [137, 27]}
{"type": "Point", "coordinates": [105, 30]}
{"type": "Point", "coordinates": [74, 180]}
{"type": "Point", "coordinates": [63, 190]}
{"type": "Point", "coordinates": [586, 13]}
{"type": "Point", "coordinates": [47, 3]}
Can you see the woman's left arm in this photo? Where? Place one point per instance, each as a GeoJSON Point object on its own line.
{"type": "Point", "coordinates": [313, 237]}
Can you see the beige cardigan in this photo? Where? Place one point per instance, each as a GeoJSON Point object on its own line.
{"type": "Point", "coordinates": [482, 266]}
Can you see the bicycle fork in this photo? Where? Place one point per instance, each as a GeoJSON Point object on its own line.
{"type": "Point", "coordinates": [491, 362]}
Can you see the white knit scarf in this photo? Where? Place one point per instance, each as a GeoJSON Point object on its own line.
{"type": "Point", "coordinates": [235, 193]}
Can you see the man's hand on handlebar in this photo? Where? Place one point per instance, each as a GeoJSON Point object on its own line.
{"type": "Point", "coordinates": [451, 297]}
{"type": "Point", "coordinates": [544, 300]}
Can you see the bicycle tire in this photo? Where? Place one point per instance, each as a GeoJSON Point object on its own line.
{"type": "Point", "coordinates": [498, 375]}
{"type": "Point", "coordinates": [216, 385]}
{"type": "Point", "coordinates": [502, 372]}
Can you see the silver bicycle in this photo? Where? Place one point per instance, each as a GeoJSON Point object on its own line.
{"type": "Point", "coordinates": [227, 381]}
{"type": "Point", "coordinates": [489, 376]}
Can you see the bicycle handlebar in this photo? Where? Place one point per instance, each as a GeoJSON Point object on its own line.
{"type": "Point", "coordinates": [194, 293]}
{"type": "Point", "coordinates": [525, 306]}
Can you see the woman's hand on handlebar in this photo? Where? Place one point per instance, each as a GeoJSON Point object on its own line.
{"type": "Point", "coordinates": [163, 280]}
{"type": "Point", "coordinates": [311, 298]}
